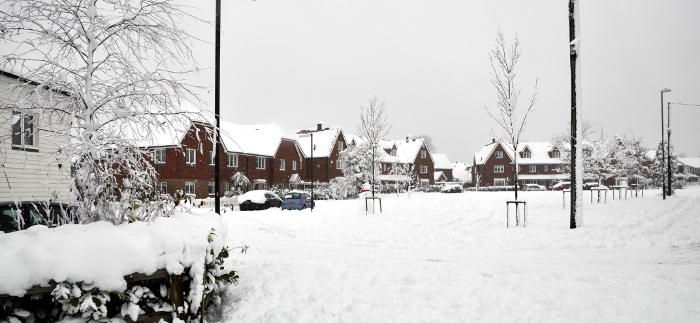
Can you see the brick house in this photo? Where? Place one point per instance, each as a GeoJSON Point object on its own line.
{"type": "Point", "coordinates": [443, 168]}
{"type": "Point", "coordinates": [689, 168]}
{"type": "Point", "coordinates": [328, 143]}
{"type": "Point", "coordinates": [184, 159]}
{"type": "Point", "coordinates": [539, 163]}
{"type": "Point", "coordinates": [408, 152]}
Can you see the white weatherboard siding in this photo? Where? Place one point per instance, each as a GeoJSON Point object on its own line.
{"type": "Point", "coordinates": [32, 175]}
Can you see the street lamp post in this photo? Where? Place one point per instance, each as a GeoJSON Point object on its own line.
{"type": "Point", "coordinates": [668, 143]}
{"type": "Point", "coordinates": [663, 153]}
{"type": "Point", "coordinates": [311, 167]}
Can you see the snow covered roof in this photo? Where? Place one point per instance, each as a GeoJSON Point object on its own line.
{"type": "Point", "coordinates": [692, 162]}
{"type": "Point", "coordinates": [406, 150]}
{"type": "Point", "coordinates": [442, 161]}
{"type": "Point", "coordinates": [439, 175]}
{"type": "Point", "coordinates": [260, 139]}
{"type": "Point", "coordinates": [539, 152]}
{"type": "Point", "coordinates": [324, 141]}
{"type": "Point", "coordinates": [353, 139]}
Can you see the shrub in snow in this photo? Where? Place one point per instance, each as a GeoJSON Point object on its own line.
{"type": "Point", "coordinates": [91, 283]}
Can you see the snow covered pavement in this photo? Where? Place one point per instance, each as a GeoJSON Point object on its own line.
{"type": "Point", "coordinates": [449, 257]}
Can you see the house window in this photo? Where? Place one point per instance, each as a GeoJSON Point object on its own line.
{"type": "Point", "coordinates": [189, 188]}
{"type": "Point", "coordinates": [294, 165]}
{"type": "Point", "coordinates": [533, 168]}
{"type": "Point", "coordinates": [260, 162]}
{"type": "Point", "coordinates": [162, 187]}
{"type": "Point", "coordinates": [499, 182]}
{"type": "Point", "coordinates": [424, 183]}
{"type": "Point", "coordinates": [211, 188]}
{"type": "Point", "coordinates": [340, 146]}
{"type": "Point", "coordinates": [423, 154]}
{"type": "Point", "coordinates": [24, 131]}
{"type": "Point", "coordinates": [423, 169]}
{"type": "Point", "coordinates": [393, 152]}
{"type": "Point", "coordinates": [282, 164]}
{"type": "Point", "coordinates": [546, 168]}
{"type": "Point", "coordinates": [499, 154]}
{"type": "Point", "coordinates": [384, 167]}
{"type": "Point", "coordinates": [211, 158]}
{"type": "Point", "coordinates": [232, 160]}
{"type": "Point", "coordinates": [190, 156]}
{"type": "Point", "coordinates": [555, 154]}
{"type": "Point", "coordinates": [339, 164]}
{"type": "Point", "coordinates": [558, 168]}
{"type": "Point", "coordinates": [160, 156]}
{"type": "Point", "coordinates": [498, 168]}
{"type": "Point", "coordinates": [527, 154]}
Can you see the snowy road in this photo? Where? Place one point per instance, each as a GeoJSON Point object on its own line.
{"type": "Point", "coordinates": [440, 257]}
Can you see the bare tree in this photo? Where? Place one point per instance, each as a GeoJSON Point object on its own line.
{"type": "Point", "coordinates": [428, 140]}
{"type": "Point", "coordinates": [373, 127]}
{"type": "Point", "coordinates": [122, 64]}
{"type": "Point", "coordinates": [511, 121]}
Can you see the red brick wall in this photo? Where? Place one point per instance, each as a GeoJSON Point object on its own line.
{"type": "Point", "coordinates": [427, 161]}
{"type": "Point", "coordinates": [288, 152]}
{"type": "Point", "coordinates": [325, 168]}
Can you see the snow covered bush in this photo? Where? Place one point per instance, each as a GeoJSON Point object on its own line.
{"type": "Point", "coordinates": [91, 284]}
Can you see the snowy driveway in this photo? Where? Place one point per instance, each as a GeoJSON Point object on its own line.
{"type": "Point", "coordinates": [450, 258]}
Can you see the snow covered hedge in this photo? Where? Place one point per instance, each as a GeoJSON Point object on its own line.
{"type": "Point", "coordinates": [87, 265]}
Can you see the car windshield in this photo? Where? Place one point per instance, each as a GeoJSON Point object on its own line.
{"type": "Point", "coordinates": [293, 196]}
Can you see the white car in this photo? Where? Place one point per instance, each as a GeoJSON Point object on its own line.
{"type": "Point", "coordinates": [534, 187]}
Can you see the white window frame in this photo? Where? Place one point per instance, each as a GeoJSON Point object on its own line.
{"type": "Point", "coordinates": [339, 164]}
{"type": "Point", "coordinates": [282, 164]}
{"type": "Point", "coordinates": [189, 185]}
{"type": "Point", "coordinates": [555, 154]}
{"type": "Point", "coordinates": [190, 156]}
{"type": "Point", "coordinates": [211, 158]}
{"type": "Point", "coordinates": [211, 188]}
{"type": "Point", "coordinates": [232, 160]}
{"type": "Point", "coordinates": [159, 156]}
{"type": "Point", "coordinates": [294, 165]}
{"type": "Point", "coordinates": [260, 162]}
{"type": "Point", "coordinates": [499, 154]}
{"type": "Point", "coordinates": [423, 169]}
{"type": "Point", "coordinates": [533, 168]}
{"type": "Point", "coordinates": [162, 187]}
{"type": "Point", "coordinates": [499, 168]}
{"type": "Point", "coordinates": [423, 154]}
{"type": "Point", "coordinates": [497, 181]}
{"type": "Point", "coordinates": [340, 146]}
{"type": "Point", "coordinates": [527, 154]}
{"type": "Point", "coordinates": [546, 168]}
{"type": "Point", "coordinates": [21, 136]}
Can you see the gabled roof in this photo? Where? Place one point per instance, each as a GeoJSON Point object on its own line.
{"type": "Point", "coordinates": [692, 162]}
{"type": "Point", "coordinates": [260, 139]}
{"type": "Point", "coordinates": [406, 151]}
{"type": "Point", "coordinates": [539, 152]}
{"type": "Point", "coordinates": [324, 141]}
{"type": "Point", "coordinates": [442, 161]}
{"type": "Point", "coordinates": [353, 139]}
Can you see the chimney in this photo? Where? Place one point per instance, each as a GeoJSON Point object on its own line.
{"type": "Point", "coordinates": [408, 137]}
{"type": "Point", "coordinates": [493, 140]}
{"type": "Point", "coordinates": [319, 126]}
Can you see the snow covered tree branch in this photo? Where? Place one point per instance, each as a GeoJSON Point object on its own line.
{"type": "Point", "coordinates": [504, 57]}
{"type": "Point", "coordinates": [122, 64]}
{"type": "Point", "coordinates": [373, 127]}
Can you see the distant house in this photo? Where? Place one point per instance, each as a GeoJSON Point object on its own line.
{"type": "Point", "coordinates": [443, 167]}
{"type": "Point", "coordinates": [327, 145]}
{"type": "Point", "coordinates": [539, 163]}
{"type": "Point", "coordinates": [689, 168]}
{"type": "Point", "coordinates": [34, 167]}
{"type": "Point", "coordinates": [462, 172]}
{"type": "Point", "coordinates": [411, 153]}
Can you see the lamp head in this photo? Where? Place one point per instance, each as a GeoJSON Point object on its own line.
{"type": "Point", "coordinates": [665, 90]}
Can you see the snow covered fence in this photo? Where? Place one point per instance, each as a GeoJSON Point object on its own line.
{"type": "Point", "coordinates": [209, 202]}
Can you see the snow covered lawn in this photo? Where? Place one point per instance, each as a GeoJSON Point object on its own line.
{"type": "Point", "coordinates": [449, 257]}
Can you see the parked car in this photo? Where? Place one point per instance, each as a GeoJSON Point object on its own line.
{"type": "Point", "coordinates": [258, 200]}
{"type": "Point", "coordinates": [297, 200]}
{"type": "Point", "coordinates": [561, 186]}
{"type": "Point", "coordinates": [534, 187]}
{"type": "Point", "coordinates": [451, 188]}
{"type": "Point", "coordinates": [19, 216]}
{"type": "Point", "coordinates": [588, 186]}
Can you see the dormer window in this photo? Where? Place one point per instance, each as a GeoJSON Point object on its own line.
{"type": "Point", "coordinates": [393, 152]}
{"type": "Point", "coordinates": [555, 154]}
{"type": "Point", "coordinates": [527, 154]}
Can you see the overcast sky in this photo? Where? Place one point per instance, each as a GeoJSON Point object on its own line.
{"type": "Point", "coordinates": [297, 63]}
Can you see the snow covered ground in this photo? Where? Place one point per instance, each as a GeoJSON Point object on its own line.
{"type": "Point", "coordinates": [450, 258]}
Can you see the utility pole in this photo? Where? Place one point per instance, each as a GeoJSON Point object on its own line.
{"type": "Point", "coordinates": [576, 216]}
{"type": "Point", "coordinates": [217, 108]}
